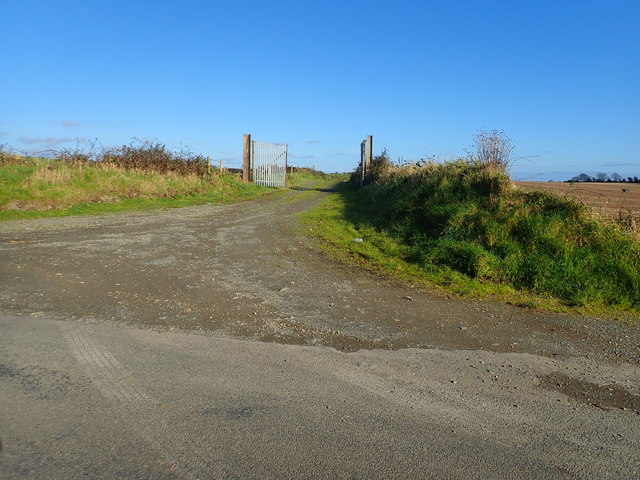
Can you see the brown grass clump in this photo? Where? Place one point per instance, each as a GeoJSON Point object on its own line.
{"type": "Point", "coordinates": [8, 158]}
{"type": "Point", "coordinates": [629, 221]}
{"type": "Point", "coordinates": [51, 173]}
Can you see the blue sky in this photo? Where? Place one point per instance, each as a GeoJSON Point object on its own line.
{"type": "Point", "coordinates": [561, 78]}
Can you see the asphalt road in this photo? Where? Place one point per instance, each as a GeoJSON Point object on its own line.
{"type": "Point", "coordinates": [216, 342]}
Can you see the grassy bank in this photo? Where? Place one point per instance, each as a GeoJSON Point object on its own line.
{"type": "Point", "coordinates": [139, 177]}
{"type": "Point", "coordinates": [32, 188]}
{"type": "Point", "coordinates": [465, 228]}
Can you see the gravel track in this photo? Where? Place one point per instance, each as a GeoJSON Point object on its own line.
{"type": "Point", "coordinates": [546, 395]}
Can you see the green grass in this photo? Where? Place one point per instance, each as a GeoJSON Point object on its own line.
{"type": "Point", "coordinates": [303, 176]}
{"type": "Point", "coordinates": [465, 229]}
{"type": "Point", "coordinates": [34, 188]}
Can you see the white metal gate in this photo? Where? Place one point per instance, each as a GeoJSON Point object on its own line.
{"type": "Point", "coordinates": [269, 163]}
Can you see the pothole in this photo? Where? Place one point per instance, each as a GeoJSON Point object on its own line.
{"type": "Point", "coordinates": [605, 397]}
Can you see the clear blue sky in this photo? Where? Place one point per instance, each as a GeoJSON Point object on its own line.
{"type": "Point", "coordinates": [561, 78]}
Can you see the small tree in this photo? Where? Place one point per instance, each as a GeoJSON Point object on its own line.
{"type": "Point", "coordinates": [583, 177]}
{"type": "Point", "coordinates": [493, 149]}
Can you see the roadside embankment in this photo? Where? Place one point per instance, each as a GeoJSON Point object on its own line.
{"type": "Point", "coordinates": [464, 227]}
{"type": "Point", "coordinates": [128, 178]}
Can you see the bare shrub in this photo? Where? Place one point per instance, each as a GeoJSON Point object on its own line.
{"type": "Point", "coordinates": [73, 157]}
{"type": "Point", "coordinates": [493, 149]}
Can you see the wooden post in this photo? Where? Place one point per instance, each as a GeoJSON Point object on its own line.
{"type": "Point", "coordinates": [368, 154]}
{"type": "Point", "coordinates": [220, 171]}
{"type": "Point", "coordinates": [246, 162]}
{"type": "Point", "coordinates": [209, 165]}
{"type": "Point", "coordinates": [361, 182]}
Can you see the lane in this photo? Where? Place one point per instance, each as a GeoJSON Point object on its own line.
{"type": "Point", "coordinates": [195, 406]}
{"type": "Point", "coordinates": [247, 271]}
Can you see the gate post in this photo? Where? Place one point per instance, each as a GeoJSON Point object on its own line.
{"type": "Point", "coordinates": [366, 154]}
{"type": "Point", "coordinates": [246, 159]}
{"type": "Point", "coordinates": [362, 149]}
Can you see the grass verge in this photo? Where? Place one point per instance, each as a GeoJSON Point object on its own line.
{"type": "Point", "coordinates": [34, 188]}
{"type": "Point", "coordinates": [465, 229]}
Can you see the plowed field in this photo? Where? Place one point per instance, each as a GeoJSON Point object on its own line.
{"type": "Point", "coordinates": [614, 199]}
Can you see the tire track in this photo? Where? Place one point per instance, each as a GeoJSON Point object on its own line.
{"type": "Point", "coordinates": [138, 407]}
{"type": "Point", "coordinates": [107, 373]}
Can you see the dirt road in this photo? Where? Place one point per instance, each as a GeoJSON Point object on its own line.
{"type": "Point", "coordinates": [474, 382]}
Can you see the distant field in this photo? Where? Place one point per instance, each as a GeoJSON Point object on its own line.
{"type": "Point", "coordinates": [609, 198]}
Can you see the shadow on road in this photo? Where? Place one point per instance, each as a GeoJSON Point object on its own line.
{"type": "Point", "coordinates": [308, 189]}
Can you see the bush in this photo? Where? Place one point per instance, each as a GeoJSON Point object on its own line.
{"type": "Point", "coordinates": [380, 167]}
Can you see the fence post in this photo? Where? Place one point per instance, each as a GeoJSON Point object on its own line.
{"type": "Point", "coordinates": [209, 165]}
{"type": "Point", "coordinates": [246, 162]}
{"type": "Point", "coordinates": [220, 170]}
